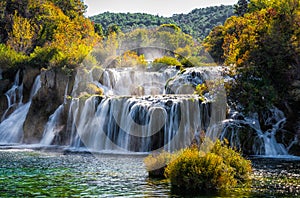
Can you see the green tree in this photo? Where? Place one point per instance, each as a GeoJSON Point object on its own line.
{"type": "Point", "coordinates": [214, 43]}
{"type": "Point", "coordinates": [241, 7]}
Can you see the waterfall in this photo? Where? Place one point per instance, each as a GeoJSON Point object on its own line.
{"type": "Point", "coordinates": [14, 95]}
{"type": "Point", "coordinates": [11, 128]}
{"type": "Point", "coordinates": [54, 124]}
{"type": "Point", "coordinates": [135, 115]}
{"type": "Point", "coordinates": [129, 81]}
{"type": "Point", "coordinates": [140, 124]}
{"type": "Point", "coordinates": [264, 142]}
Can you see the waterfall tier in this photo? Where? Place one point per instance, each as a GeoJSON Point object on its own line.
{"type": "Point", "coordinates": [140, 124]}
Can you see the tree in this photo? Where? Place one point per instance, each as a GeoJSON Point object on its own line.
{"type": "Point", "coordinates": [214, 43]}
{"type": "Point", "coordinates": [22, 34]}
{"type": "Point", "coordinates": [99, 30]}
{"type": "Point", "coordinates": [241, 7]}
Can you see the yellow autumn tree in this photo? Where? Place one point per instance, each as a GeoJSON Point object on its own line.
{"type": "Point", "coordinates": [22, 35]}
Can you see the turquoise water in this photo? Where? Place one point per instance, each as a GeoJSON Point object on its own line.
{"type": "Point", "coordinates": [32, 173]}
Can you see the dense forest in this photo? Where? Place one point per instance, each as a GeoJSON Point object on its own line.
{"type": "Point", "coordinates": [44, 33]}
{"type": "Point", "coordinates": [198, 23]}
{"type": "Point", "coordinates": [262, 45]}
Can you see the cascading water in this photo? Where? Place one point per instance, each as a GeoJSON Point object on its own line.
{"type": "Point", "coordinates": [11, 128]}
{"type": "Point", "coordinates": [124, 120]}
{"type": "Point", "coordinates": [14, 96]}
{"type": "Point", "coordinates": [140, 123]}
{"type": "Point", "coordinates": [263, 142]}
{"type": "Point", "coordinates": [54, 124]}
{"type": "Point", "coordinates": [128, 81]}
{"type": "Point", "coordinates": [136, 114]}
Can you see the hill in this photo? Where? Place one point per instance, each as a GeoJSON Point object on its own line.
{"type": "Point", "coordinates": [197, 23]}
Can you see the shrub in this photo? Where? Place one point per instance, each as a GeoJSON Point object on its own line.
{"type": "Point", "coordinates": [42, 56]}
{"type": "Point", "coordinates": [93, 89]}
{"type": "Point", "coordinates": [166, 61]}
{"type": "Point", "coordinates": [156, 164]}
{"type": "Point", "coordinates": [214, 167]}
{"type": "Point", "coordinates": [193, 172]}
{"type": "Point", "coordinates": [242, 167]}
{"type": "Point", "coordinates": [9, 58]}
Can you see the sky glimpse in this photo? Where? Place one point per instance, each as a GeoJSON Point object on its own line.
{"type": "Point", "coordinates": [156, 7]}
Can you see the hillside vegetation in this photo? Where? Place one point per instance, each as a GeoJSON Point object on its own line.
{"type": "Point", "coordinates": [198, 23]}
{"type": "Point", "coordinates": [44, 33]}
{"type": "Point", "coordinates": [263, 46]}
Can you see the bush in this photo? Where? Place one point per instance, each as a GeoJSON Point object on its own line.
{"type": "Point", "coordinates": [42, 56]}
{"type": "Point", "coordinates": [213, 168]}
{"type": "Point", "coordinates": [166, 61]}
{"type": "Point", "coordinates": [193, 172]}
{"type": "Point", "coordinates": [156, 164]}
{"type": "Point", "coordinates": [9, 58]}
{"type": "Point", "coordinates": [242, 167]}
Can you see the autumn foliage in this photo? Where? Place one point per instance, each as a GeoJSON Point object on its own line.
{"type": "Point", "coordinates": [50, 33]}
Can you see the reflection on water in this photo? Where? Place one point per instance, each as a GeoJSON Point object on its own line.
{"type": "Point", "coordinates": [33, 173]}
{"type": "Point", "coordinates": [25, 172]}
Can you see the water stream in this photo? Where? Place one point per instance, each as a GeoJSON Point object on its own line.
{"type": "Point", "coordinates": [11, 128]}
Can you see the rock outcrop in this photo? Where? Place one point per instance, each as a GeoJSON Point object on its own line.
{"type": "Point", "coordinates": [46, 101]}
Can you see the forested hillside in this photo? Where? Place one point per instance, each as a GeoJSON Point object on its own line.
{"type": "Point", "coordinates": [197, 23]}
{"type": "Point", "coordinates": [263, 46]}
{"type": "Point", "coordinates": [44, 33]}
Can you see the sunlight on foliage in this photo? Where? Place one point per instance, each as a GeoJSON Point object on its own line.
{"type": "Point", "coordinates": [213, 167]}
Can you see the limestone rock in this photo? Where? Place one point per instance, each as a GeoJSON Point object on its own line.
{"type": "Point", "coordinates": [46, 101]}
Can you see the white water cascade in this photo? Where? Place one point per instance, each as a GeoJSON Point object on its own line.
{"type": "Point", "coordinates": [128, 81]}
{"type": "Point", "coordinates": [14, 96]}
{"type": "Point", "coordinates": [11, 128]}
{"type": "Point", "coordinates": [143, 111]}
{"type": "Point", "coordinates": [54, 124]}
{"type": "Point", "coordinates": [129, 120]}
{"type": "Point", "coordinates": [139, 123]}
{"type": "Point", "coordinates": [265, 142]}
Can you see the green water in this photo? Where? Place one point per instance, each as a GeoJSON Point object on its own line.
{"type": "Point", "coordinates": [33, 173]}
{"type": "Point", "coordinates": [27, 173]}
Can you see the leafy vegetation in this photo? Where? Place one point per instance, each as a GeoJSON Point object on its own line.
{"type": "Point", "coordinates": [210, 168]}
{"type": "Point", "coordinates": [45, 33]}
{"type": "Point", "coordinates": [197, 23]}
{"type": "Point", "coordinates": [166, 60]}
{"type": "Point", "coordinates": [167, 42]}
{"type": "Point", "coordinates": [262, 45]}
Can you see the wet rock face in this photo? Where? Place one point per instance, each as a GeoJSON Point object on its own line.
{"type": "Point", "coordinates": [28, 76]}
{"type": "Point", "coordinates": [6, 82]}
{"type": "Point", "coordinates": [4, 86]}
{"type": "Point", "coordinates": [186, 81]}
{"type": "Point", "coordinates": [46, 101]}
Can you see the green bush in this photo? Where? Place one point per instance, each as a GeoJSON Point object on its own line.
{"type": "Point", "coordinates": [9, 58]}
{"type": "Point", "coordinates": [195, 172]}
{"type": "Point", "coordinates": [242, 167]}
{"type": "Point", "coordinates": [214, 167]}
{"type": "Point", "coordinates": [42, 57]}
{"type": "Point", "coordinates": [166, 61]}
